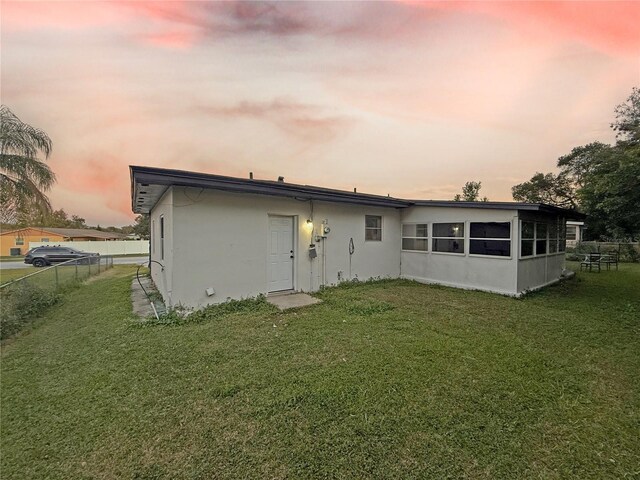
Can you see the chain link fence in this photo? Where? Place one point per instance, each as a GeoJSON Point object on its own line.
{"type": "Point", "coordinates": [24, 298]}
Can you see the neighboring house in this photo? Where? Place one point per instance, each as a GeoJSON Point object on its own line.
{"type": "Point", "coordinates": [574, 233]}
{"type": "Point", "coordinates": [219, 237]}
{"type": "Point", "coordinates": [16, 242]}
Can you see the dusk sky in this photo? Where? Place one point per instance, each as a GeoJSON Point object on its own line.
{"type": "Point", "coordinates": [406, 98]}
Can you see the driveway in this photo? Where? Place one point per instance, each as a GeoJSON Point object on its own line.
{"type": "Point", "coordinates": [116, 261]}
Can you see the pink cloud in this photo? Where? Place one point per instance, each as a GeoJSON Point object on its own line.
{"type": "Point", "coordinates": [171, 40]}
{"type": "Point", "coordinates": [309, 122]}
{"type": "Point", "coordinates": [59, 15]}
{"type": "Point", "coordinates": [611, 27]}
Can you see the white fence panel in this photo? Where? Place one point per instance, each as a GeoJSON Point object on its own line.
{"type": "Point", "coordinates": [115, 247]}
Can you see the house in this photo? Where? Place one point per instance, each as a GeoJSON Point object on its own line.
{"type": "Point", "coordinates": [16, 242]}
{"type": "Point", "coordinates": [215, 237]}
{"type": "Point", "coordinates": [574, 232]}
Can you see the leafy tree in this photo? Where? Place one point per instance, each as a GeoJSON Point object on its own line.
{"type": "Point", "coordinates": [33, 216]}
{"type": "Point", "coordinates": [24, 178]}
{"type": "Point", "coordinates": [601, 180]}
{"type": "Point", "coordinates": [141, 227]}
{"type": "Point", "coordinates": [546, 188]}
{"type": "Point", "coordinates": [627, 123]}
{"type": "Point", "coordinates": [611, 194]}
{"type": "Point", "coordinates": [579, 165]}
{"type": "Point", "coordinates": [470, 193]}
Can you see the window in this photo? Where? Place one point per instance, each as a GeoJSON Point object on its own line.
{"type": "Point", "coordinates": [571, 232]}
{"type": "Point", "coordinates": [553, 237]}
{"type": "Point", "coordinates": [527, 238]}
{"type": "Point", "coordinates": [19, 240]}
{"type": "Point", "coordinates": [415, 237]}
{"type": "Point", "coordinates": [44, 239]}
{"type": "Point", "coordinates": [541, 238]}
{"type": "Point", "coordinates": [161, 237]}
{"type": "Point", "coordinates": [153, 236]}
{"type": "Point", "coordinates": [373, 228]}
{"type": "Point", "coordinates": [448, 237]}
{"type": "Point", "coordinates": [490, 238]}
{"type": "Point", "coordinates": [562, 235]}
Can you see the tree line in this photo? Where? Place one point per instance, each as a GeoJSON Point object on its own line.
{"type": "Point", "coordinates": [600, 180]}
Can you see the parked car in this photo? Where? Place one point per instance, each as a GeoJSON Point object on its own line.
{"type": "Point", "coordinates": [43, 256]}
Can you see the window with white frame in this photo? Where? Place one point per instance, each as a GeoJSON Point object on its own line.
{"type": "Point", "coordinates": [542, 229]}
{"type": "Point", "coordinates": [415, 237]}
{"type": "Point", "coordinates": [527, 238]}
{"type": "Point", "coordinates": [490, 238]}
{"type": "Point", "coordinates": [19, 240]}
{"type": "Point", "coordinates": [373, 228]}
{"type": "Point", "coordinates": [448, 237]}
{"type": "Point", "coordinates": [572, 232]}
{"type": "Point", "coordinates": [162, 237]}
{"type": "Point", "coordinates": [44, 239]}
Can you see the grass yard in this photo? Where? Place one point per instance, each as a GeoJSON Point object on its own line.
{"type": "Point", "coordinates": [386, 380]}
{"type": "Point", "coordinates": [10, 274]}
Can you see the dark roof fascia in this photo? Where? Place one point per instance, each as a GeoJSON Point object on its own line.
{"type": "Point", "coordinates": [170, 177]}
{"type": "Point", "coordinates": [156, 176]}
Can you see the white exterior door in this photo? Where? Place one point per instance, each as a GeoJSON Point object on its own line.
{"type": "Point", "coordinates": [281, 253]}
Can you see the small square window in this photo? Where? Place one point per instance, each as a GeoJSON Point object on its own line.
{"type": "Point", "coordinates": [373, 228]}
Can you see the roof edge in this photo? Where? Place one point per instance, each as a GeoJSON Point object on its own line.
{"type": "Point", "coordinates": [269, 187]}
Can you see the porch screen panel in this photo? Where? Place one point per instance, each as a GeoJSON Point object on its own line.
{"type": "Point", "coordinates": [527, 238]}
{"type": "Point", "coordinates": [490, 238]}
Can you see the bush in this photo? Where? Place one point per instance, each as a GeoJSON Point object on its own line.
{"type": "Point", "coordinates": [20, 305]}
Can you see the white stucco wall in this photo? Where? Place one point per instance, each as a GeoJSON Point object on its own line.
{"type": "Point", "coordinates": [496, 274]}
{"type": "Point", "coordinates": [220, 240]}
{"type": "Point", "coordinates": [163, 277]}
{"type": "Point", "coordinates": [536, 272]}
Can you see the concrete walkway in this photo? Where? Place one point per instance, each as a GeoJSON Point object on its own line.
{"type": "Point", "coordinates": [285, 301]}
{"type": "Point", "coordinates": [140, 302]}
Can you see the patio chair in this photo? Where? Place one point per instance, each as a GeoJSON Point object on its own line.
{"type": "Point", "coordinates": [610, 259]}
{"type": "Point", "coordinates": [591, 261]}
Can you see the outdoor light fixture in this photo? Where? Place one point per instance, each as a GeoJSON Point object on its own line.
{"type": "Point", "coordinates": [309, 223]}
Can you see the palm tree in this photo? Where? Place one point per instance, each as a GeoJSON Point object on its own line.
{"type": "Point", "coordinates": [23, 177]}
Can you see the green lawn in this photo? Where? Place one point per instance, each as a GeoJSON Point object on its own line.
{"type": "Point", "coordinates": [12, 258]}
{"type": "Point", "coordinates": [386, 380]}
{"type": "Point", "coordinates": [9, 274]}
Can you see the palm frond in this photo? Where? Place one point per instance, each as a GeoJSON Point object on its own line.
{"type": "Point", "coordinates": [20, 138]}
{"type": "Point", "coordinates": [18, 166]}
